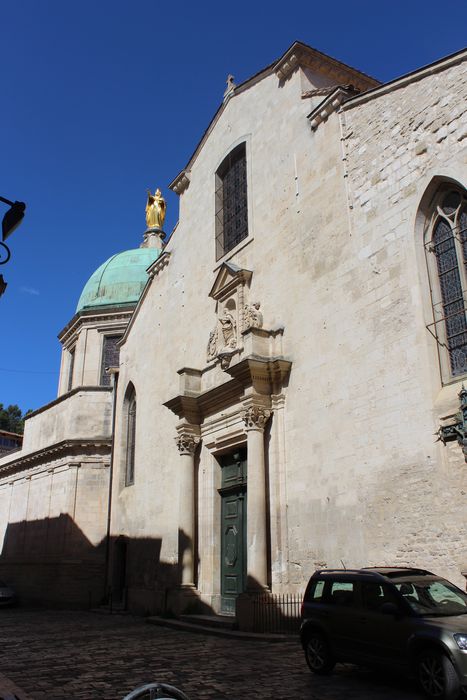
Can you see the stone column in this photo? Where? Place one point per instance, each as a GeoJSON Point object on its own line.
{"type": "Point", "coordinates": [187, 440]}
{"type": "Point", "coordinates": [255, 418]}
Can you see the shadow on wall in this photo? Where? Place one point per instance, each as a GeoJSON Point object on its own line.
{"type": "Point", "coordinates": [50, 562]}
{"type": "Point", "coordinates": [139, 580]}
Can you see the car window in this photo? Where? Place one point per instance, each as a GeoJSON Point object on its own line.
{"type": "Point", "coordinates": [315, 591]}
{"type": "Point", "coordinates": [439, 597]}
{"type": "Point", "coordinates": [374, 595]}
{"type": "Point", "coordinates": [342, 593]}
{"type": "Point", "coordinates": [318, 590]}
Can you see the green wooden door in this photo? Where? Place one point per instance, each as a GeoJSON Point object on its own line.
{"type": "Point", "coordinates": [233, 523]}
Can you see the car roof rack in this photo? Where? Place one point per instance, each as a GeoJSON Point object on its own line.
{"type": "Point", "coordinates": [394, 571]}
{"type": "Point", "coordinates": [378, 571]}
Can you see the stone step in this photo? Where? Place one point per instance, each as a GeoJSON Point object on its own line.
{"type": "Point", "coordinates": [183, 626]}
{"type": "Point", "coordinates": [217, 621]}
{"type": "Point", "coordinates": [105, 610]}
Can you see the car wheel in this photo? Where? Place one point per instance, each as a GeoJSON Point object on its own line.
{"type": "Point", "coordinates": [437, 676]}
{"type": "Point", "coordinates": [318, 654]}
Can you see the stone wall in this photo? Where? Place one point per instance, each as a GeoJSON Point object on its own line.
{"type": "Point", "coordinates": [355, 475]}
{"type": "Point", "coordinates": [52, 531]}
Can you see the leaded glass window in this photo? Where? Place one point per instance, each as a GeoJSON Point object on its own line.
{"type": "Point", "coordinates": [449, 245]}
{"type": "Point", "coordinates": [231, 201]}
{"type": "Point", "coordinates": [110, 356]}
{"type": "Point", "coordinates": [130, 440]}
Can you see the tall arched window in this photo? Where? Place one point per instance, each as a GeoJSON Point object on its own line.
{"type": "Point", "coordinates": [130, 403]}
{"type": "Point", "coordinates": [447, 248]}
{"type": "Point", "coordinates": [231, 201]}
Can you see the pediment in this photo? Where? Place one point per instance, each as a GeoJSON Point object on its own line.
{"type": "Point", "coordinates": [229, 278]}
{"type": "Point", "coordinates": [301, 55]}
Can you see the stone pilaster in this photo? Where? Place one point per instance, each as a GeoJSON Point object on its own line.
{"type": "Point", "coordinates": [187, 441]}
{"type": "Point", "coordinates": [255, 418]}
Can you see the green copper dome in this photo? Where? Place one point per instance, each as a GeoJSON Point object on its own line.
{"type": "Point", "coordinates": [119, 281]}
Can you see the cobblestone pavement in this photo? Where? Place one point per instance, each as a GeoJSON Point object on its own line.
{"type": "Point", "coordinates": [82, 655]}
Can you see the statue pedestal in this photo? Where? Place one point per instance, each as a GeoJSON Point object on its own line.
{"type": "Point", "coordinates": [153, 238]}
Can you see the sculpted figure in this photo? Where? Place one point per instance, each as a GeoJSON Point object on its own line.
{"type": "Point", "coordinates": [212, 344]}
{"type": "Point", "coordinates": [155, 210]}
{"type": "Point", "coordinates": [224, 336]}
{"type": "Point", "coordinates": [253, 316]}
{"type": "Point", "coordinates": [228, 326]}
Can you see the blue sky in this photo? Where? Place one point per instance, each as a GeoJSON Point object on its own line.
{"type": "Point", "coordinates": [101, 100]}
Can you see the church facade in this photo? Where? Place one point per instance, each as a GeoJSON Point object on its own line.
{"type": "Point", "coordinates": [275, 388]}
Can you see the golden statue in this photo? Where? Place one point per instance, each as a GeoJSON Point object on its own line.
{"type": "Point", "coordinates": [155, 210]}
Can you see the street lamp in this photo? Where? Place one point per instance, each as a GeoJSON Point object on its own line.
{"type": "Point", "coordinates": [11, 221]}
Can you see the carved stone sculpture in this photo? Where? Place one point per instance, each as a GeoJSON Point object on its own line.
{"type": "Point", "coordinates": [186, 443]}
{"type": "Point", "coordinates": [256, 417]}
{"type": "Point", "coordinates": [223, 339]}
{"type": "Point", "coordinates": [229, 330]}
{"type": "Point", "coordinates": [212, 344]}
{"type": "Point", "coordinates": [253, 316]}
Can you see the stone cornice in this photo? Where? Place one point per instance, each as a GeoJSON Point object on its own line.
{"type": "Point", "coordinates": [153, 270]}
{"type": "Point", "coordinates": [330, 104]}
{"type": "Point", "coordinates": [64, 397]}
{"type": "Point", "coordinates": [57, 451]}
{"type": "Point", "coordinates": [92, 316]}
{"type": "Point", "coordinates": [266, 376]}
{"type": "Point", "coordinates": [297, 54]}
{"type": "Point", "coordinates": [302, 55]}
{"type": "Point", "coordinates": [194, 408]}
{"type": "Point", "coordinates": [404, 80]}
{"type": "Point", "coordinates": [181, 182]}
{"type": "Point", "coordinates": [228, 278]}
{"type": "Point", "coordinates": [318, 92]}
{"type": "Point", "coordinates": [159, 264]}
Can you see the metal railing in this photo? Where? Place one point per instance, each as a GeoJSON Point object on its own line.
{"type": "Point", "coordinates": [277, 613]}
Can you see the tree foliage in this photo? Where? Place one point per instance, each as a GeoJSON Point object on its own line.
{"type": "Point", "coordinates": [12, 419]}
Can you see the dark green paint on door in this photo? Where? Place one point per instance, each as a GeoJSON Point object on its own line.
{"type": "Point", "coordinates": [233, 522]}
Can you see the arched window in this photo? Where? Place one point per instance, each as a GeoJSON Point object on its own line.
{"type": "Point", "coordinates": [130, 403]}
{"type": "Point", "coordinates": [447, 247]}
{"type": "Point", "coordinates": [231, 201]}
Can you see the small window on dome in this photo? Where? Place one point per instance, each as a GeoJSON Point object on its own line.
{"type": "Point", "coordinates": [110, 356]}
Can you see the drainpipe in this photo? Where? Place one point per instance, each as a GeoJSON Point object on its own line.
{"type": "Point", "coordinates": [113, 371]}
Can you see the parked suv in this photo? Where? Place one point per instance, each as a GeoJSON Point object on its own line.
{"type": "Point", "coordinates": [405, 618]}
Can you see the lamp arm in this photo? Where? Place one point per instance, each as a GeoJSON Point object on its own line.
{"type": "Point", "coordinates": [7, 254]}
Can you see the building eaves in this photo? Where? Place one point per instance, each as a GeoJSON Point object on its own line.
{"type": "Point", "coordinates": [105, 312]}
{"type": "Point", "coordinates": [295, 55]}
{"type": "Point", "coordinates": [56, 451]}
{"type": "Point", "coordinates": [181, 182]}
{"type": "Point", "coordinates": [402, 81]}
{"type": "Point", "coordinates": [153, 271]}
{"type": "Point", "coordinates": [300, 53]}
{"type": "Point", "coordinates": [330, 104]}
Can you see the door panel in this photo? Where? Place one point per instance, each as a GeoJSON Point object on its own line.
{"type": "Point", "coordinates": [233, 554]}
{"type": "Point", "coordinates": [233, 529]}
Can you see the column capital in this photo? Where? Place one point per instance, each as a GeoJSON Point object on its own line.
{"type": "Point", "coordinates": [255, 417]}
{"type": "Point", "coordinates": [187, 439]}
